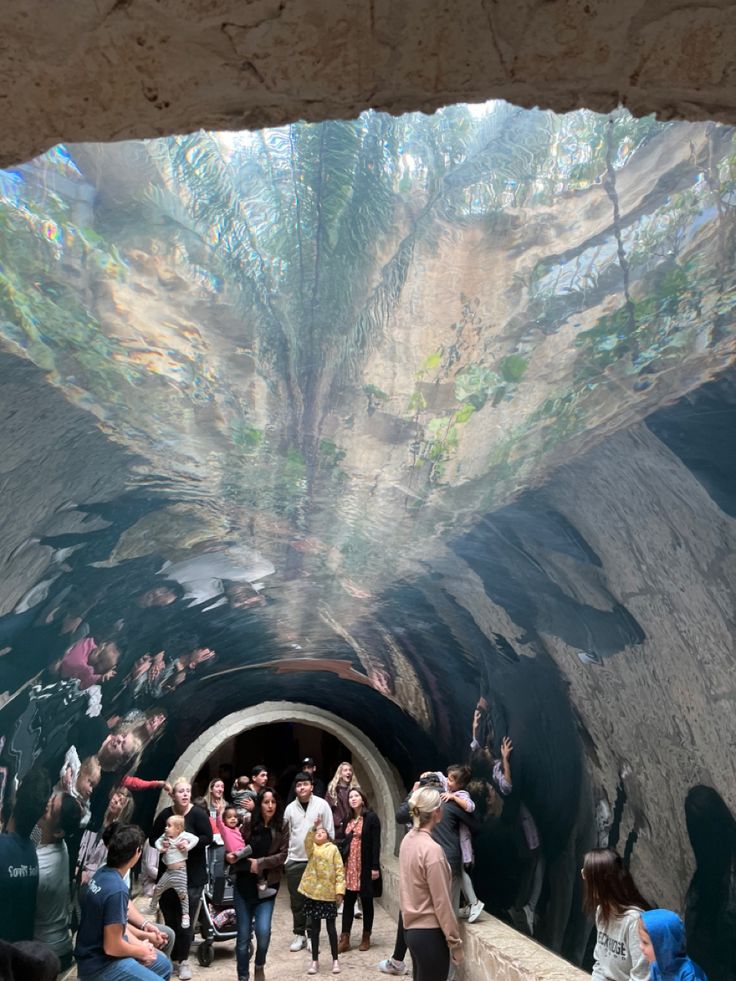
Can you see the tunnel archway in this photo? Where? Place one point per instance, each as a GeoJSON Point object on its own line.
{"type": "Point", "coordinates": [373, 770]}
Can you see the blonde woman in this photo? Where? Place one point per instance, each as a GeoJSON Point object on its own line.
{"type": "Point", "coordinates": [93, 850]}
{"type": "Point", "coordinates": [215, 799]}
{"type": "Point", "coordinates": [337, 797]}
{"type": "Point", "coordinates": [197, 823]}
{"type": "Point", "coordinates": [430, 925]}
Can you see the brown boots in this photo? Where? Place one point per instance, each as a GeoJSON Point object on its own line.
{"type": "Point", "coordinates": [343, 944]}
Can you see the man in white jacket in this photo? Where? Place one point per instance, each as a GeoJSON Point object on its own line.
{"type": "Point", "coordinates": [299, 817]}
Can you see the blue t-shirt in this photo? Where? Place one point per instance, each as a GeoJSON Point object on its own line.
{"type": "Point", "coordinates": [104, 903]}
{"type": "Point", "coordinates": [18, 887]}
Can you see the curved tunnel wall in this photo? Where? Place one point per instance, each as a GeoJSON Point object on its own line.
{"type": "Point", "coordinates": [594, 612]}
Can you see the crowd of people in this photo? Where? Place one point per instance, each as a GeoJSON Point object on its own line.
{"type": "Point", "coordinates": [326, 848]}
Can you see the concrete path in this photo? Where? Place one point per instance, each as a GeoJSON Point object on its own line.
{"type": "Point", "coordinates": [282, 965]}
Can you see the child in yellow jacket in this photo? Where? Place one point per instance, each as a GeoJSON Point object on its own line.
{"type": "Point", "coordinates": [323, 883]}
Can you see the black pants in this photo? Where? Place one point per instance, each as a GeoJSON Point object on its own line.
{"type": "Point", "coordinates": [294, 872]}
{"type": "Point", "coordinates": [399, 953]}
{"type": "Point", "coordinates": [314, 928]}
{"type": "Point", "coordinates": [429, 953]}
{"type": "Point", "coordinates": [348, 911]}
{"type": "Point", "coordinates": [171, 909]}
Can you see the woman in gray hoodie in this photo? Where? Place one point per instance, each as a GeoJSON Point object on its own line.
{"type": "Point", "coordinates": [610, 896]}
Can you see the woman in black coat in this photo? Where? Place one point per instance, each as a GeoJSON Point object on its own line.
{"type": "Point", "coordinates": [362, 856]}
{"type": "Point", "coordinates": [197, 822]}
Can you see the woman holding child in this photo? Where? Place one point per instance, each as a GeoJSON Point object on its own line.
{"type": "Point", "coordinates": [266, 843]}
{"type": "Point", "coordinates": [196, 822]}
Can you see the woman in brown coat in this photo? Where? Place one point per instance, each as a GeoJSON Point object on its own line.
{"type": "Point", "coordinates": [267, 844]}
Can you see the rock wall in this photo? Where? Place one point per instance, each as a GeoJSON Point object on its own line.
{"type": "Point", "coordinates": [115, 69]}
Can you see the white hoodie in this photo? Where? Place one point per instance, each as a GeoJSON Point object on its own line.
{"type": "Point", "coordinates": [617, 953]}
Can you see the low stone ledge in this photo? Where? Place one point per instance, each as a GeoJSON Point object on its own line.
{"type": "Point", "coordinates": [494, 951]}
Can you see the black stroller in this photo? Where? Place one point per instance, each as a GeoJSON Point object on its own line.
{"type": "Point", "coordinates": [216, 897]}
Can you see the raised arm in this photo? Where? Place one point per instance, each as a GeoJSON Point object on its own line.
{"type": "Point", "coordinates": [328, 822]}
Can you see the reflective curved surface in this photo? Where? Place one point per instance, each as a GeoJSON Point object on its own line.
{"type": "Point", "coordinates": [353, 413]}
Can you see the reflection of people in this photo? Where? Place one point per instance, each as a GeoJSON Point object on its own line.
{"type": "Point", "coordinates": [611, 898]}
{"type": "Point", "coordinates": [430, 925]}
{"type": "Point", "coordinates": [662, 939]}
{"type": "Point", "coordinates": [89, 662]}
{"type": "Point", "coordinates": [524, 911]}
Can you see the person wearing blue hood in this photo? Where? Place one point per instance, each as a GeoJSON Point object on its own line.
{"type": "Point", "coordinates": [662, 938]}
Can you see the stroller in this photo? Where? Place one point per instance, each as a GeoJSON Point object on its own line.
{"type": "Point", "coordinates": [216, 898]}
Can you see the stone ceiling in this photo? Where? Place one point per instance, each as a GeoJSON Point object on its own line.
{"type": "Point", "coordinates": [116, 69]}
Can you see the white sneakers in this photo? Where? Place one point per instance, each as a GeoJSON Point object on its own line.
{"type": "Point", "coordinates": [185, 971]}
{"type": "Point", "coordinates": [475, 910]}
{"type": "Point", "coordinates": [298, 943]}
{"type": "Point", "coordinates": [390, 966]}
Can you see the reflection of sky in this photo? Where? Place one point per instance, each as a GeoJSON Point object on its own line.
{"type": "Point", "coordinates": [177, 289]}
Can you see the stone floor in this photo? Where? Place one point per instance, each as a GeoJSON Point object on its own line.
{"type": "Point", "coordinates": [282, 964]}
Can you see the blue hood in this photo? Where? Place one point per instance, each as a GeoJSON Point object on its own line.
{"type": "Point", "coordinates": [667, 933]}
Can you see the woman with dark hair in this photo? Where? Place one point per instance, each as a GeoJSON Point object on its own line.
{"type": "Point", "coordinates": [267, 843]}
{"type": "Point", "coordinates": [362, 867]}
{"type": "Point", "coordinates": [612, 899]}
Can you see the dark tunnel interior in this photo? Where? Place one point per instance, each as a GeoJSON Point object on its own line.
{"type": "Point", "coordinates": [386, 417]}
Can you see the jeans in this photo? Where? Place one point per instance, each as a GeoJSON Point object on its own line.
{"type": "Point", "coordinates": [252, 915]}
{"type": "Point", "coordinates": [294, 872]}
{"type": "Point", "coordinates": [129, 969]}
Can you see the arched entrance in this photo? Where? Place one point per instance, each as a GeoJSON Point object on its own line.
{"type": "Point", "coordinates": [373, 771]}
